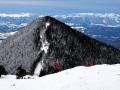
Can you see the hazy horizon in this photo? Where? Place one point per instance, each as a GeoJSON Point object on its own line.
{"type": "Point", "coordinates": [59, 6]}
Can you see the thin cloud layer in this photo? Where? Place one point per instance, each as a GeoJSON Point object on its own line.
{"type": "Point", "coordinates": [75, 3]}
{"type": "Point", "coordinates": [107, 5]}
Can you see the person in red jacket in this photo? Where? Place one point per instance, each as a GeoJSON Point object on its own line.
{"type": "Point", "coordinates": [57, 66]}
{"type": "Point", "coordinates": [92, 63]}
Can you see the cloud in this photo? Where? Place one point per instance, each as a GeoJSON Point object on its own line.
{"type": "Point", "coordinates": [65, 3]}
{"type": "Point", "coordinates": [22, 2]}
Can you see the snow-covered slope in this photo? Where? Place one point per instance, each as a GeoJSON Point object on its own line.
{"type": "Point", "coordinates": [5, 35]}
{"type": "Point", "coordinates": [101, 77]}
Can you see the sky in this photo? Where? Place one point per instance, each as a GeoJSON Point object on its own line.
{"type": "Point", "coordinates": [60, 6]}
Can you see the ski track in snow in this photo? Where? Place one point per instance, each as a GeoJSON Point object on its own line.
{"type": "Point", "coordinates": [99, 77]}
{"type": "Point", "coordinates": [45, 47]}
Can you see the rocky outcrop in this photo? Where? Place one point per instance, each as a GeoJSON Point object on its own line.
{"type": "Point", "coordinates": [50, 45]}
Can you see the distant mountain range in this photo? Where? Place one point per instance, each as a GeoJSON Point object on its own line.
{"type": "Point", "coordinates": [11, 22]}
{"type": "Point", "coordinates": [103, 27]}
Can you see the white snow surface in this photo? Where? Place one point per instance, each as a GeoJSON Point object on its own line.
{"type": "Point", "coordinates": [5, 35]}
{"type": "Point", "coordinates": [45, 44]}
{"type": "Point", "coordinates": [38, 69]}
{"type": "Point", "coordinates": [99, 77]}
{"type": "Point", "coordinates": [47, 24]}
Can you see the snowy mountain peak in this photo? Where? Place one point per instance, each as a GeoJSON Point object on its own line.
{"type": "Point", "coordinates": [47, 46]}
